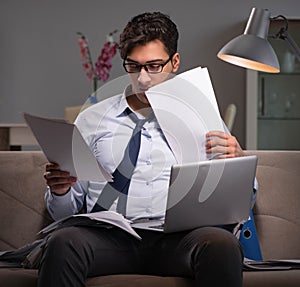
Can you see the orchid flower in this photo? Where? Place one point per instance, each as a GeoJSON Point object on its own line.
{"type": "Point", "coordinates": [104, 62]}
{"type": "Point", "coordinates": [86, 58]}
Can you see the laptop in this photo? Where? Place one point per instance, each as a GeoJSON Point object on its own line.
{"type": "Point", "coordinates": [208, 193]}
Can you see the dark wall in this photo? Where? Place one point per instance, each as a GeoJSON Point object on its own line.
{"type": "Point", "coordinates": [40, 70]}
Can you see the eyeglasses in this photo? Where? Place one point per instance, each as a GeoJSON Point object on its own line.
{"type": "Point", "coordinates": [151, 68]}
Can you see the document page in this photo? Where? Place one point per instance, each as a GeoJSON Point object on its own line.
{"type": "Point", "coordinates": [105, 219]}
{"type": "Point", "coordinates": [186, 109]}
{"type": "Point", "coordinates": [62, 143]}
{"type": "Point", "coordinates": [280, 264]}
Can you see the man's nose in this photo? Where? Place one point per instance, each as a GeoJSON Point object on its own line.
{"type": "Point", "coordinates": [144, 77]}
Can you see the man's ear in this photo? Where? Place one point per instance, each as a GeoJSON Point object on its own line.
{"type": "Point", "coordinates": [175, 62]}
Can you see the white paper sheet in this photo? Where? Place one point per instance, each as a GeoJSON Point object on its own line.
{"type": "Point", "coordinates": [62, 143]}
{"type": "Point", "coordinates": [199, 77]}
{"type": "Point", "coordinates": [102, 218]}
{"type": "Point", "coordinates": [186, 109]}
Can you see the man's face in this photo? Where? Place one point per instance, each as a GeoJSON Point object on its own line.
{"type": "Point", "coordinates": [152, 53]}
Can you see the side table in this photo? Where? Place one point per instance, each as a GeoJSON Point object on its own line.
{"type": "Point", "coordinates": [14, 136]}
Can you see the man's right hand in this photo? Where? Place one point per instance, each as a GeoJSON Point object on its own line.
{"type": "Point", "coordinates": [59, 181]}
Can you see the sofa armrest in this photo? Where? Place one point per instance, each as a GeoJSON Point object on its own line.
{"type": "Point", "coordinates": [276, 211]}
{"type": "Point", "coordinates": [22, 188]}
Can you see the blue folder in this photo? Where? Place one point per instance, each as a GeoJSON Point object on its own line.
{"type": "Point", "coordinates": [249, 240]}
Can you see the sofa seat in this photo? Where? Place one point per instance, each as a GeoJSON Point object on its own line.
{"type": "Point", "coordinates": [276, 215]}
{"type": "Point", "coordinates": [11, 277]}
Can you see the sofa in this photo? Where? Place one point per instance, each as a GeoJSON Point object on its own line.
{"type": "Point", "coordinates": [276, 214]}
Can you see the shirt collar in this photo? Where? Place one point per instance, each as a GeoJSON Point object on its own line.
{"type": "Point", "coordinates": [123, 104]}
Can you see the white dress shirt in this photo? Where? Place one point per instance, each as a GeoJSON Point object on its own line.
{"type": "Point", "coordinates": [107, 129]}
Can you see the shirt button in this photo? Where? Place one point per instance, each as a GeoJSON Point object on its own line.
{"type": "Point", "coordinates": [147, 183]}
{"type": "Point", "coordinates": [148, 162]}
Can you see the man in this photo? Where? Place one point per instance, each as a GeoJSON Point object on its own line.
{"type": "Point", "coordinates": [210, 255]}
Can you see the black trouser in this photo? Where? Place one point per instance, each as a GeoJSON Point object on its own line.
{"type": "Point", "coordinates": [212, 256]}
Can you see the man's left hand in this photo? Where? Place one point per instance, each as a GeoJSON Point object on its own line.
{"type": "Point", "coordinates": [224, 144]}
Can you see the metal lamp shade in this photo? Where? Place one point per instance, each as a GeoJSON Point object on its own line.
{"type": "Point", "coordinates": [252, 50]}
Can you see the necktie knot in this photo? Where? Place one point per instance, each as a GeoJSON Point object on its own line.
{"type": "Point", "coordinates": [139, 123]}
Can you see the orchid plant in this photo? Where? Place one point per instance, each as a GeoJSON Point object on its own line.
{"type": "Point", "coordinates": [99, 71]}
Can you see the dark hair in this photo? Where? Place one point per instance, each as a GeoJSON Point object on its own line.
{"type": "Point", "coordinates": [148, 27]}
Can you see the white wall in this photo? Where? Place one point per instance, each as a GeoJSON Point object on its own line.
{"type": "Point", "coordinates": [40, 68]}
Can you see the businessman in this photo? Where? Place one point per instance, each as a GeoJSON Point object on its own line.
{"type": "Point", "coordinates": [211, 256]}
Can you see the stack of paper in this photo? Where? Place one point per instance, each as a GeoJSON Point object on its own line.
{"type": "Point", "coordinates": [106, 219]}
{"type": "Point", "coordinates": [63, 143]}
{"type": "Point", "coordinates": [186, 109]}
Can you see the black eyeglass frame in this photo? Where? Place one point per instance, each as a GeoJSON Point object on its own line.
{"type": "Point", "coordinates": [146, 66]}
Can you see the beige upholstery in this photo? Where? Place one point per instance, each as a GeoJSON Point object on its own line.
{"type": "Point", "coordinates": [229, 117]}
{"type": "Point", "coordinates": [276, 214]}
{"type": "Point", "coordinates": [71, 113]}
{"type": "Point", "coordinates": [277, 210]}
{"type": "Point", "coordinates": [22, 210]}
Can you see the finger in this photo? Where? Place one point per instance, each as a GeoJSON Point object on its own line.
{"type": "Point", "coordinates": [60, 185]}
{"type": "Point", "coordinates": [226, 152]}
{"type": "Point", "coordinates": [215, 142]}
{"type": "Point", "coordinates": [219, 134]}
{"type": "Point", "coordinates": [52, 166]}
{"type": "Point", "coordinates": [223, 156]}
{"type": "Point", "coordinates": [61, 181]}
{"type": "Point", "coordinates": [56, 174]}
{"type": "Point", "coordinates": [217, 149]}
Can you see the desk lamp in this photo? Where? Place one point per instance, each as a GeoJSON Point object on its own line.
{"type": "Point", "coordinates": [252, 50]}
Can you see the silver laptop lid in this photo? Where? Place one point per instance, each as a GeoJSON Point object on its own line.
{"type": "Point", "coordinates": [210, 193]}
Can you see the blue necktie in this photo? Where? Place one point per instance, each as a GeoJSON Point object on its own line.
{"type": "Point", "coordinates": [123, 173]}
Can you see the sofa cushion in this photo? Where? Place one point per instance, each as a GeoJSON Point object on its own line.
{"type": "Point", "coordinates": [276, 215]}
{"type": "Point", "coordinates": [11, 277]}
{"type": "Point", "coordinates": [276, 211]}
{"type": "Point", "coordinates": [22, 190]}
{"type": "Point", "coordinates": [278, 278]}
{"type": "Point", "coordinates": [17, 277]}
{"type": "Point", "coordinates": [138, 281]}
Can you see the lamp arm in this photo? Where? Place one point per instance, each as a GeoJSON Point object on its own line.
{"type": "Point", "coordinates": [284, 35]}
{"type": "Point", "coordinates": [291, 43]}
